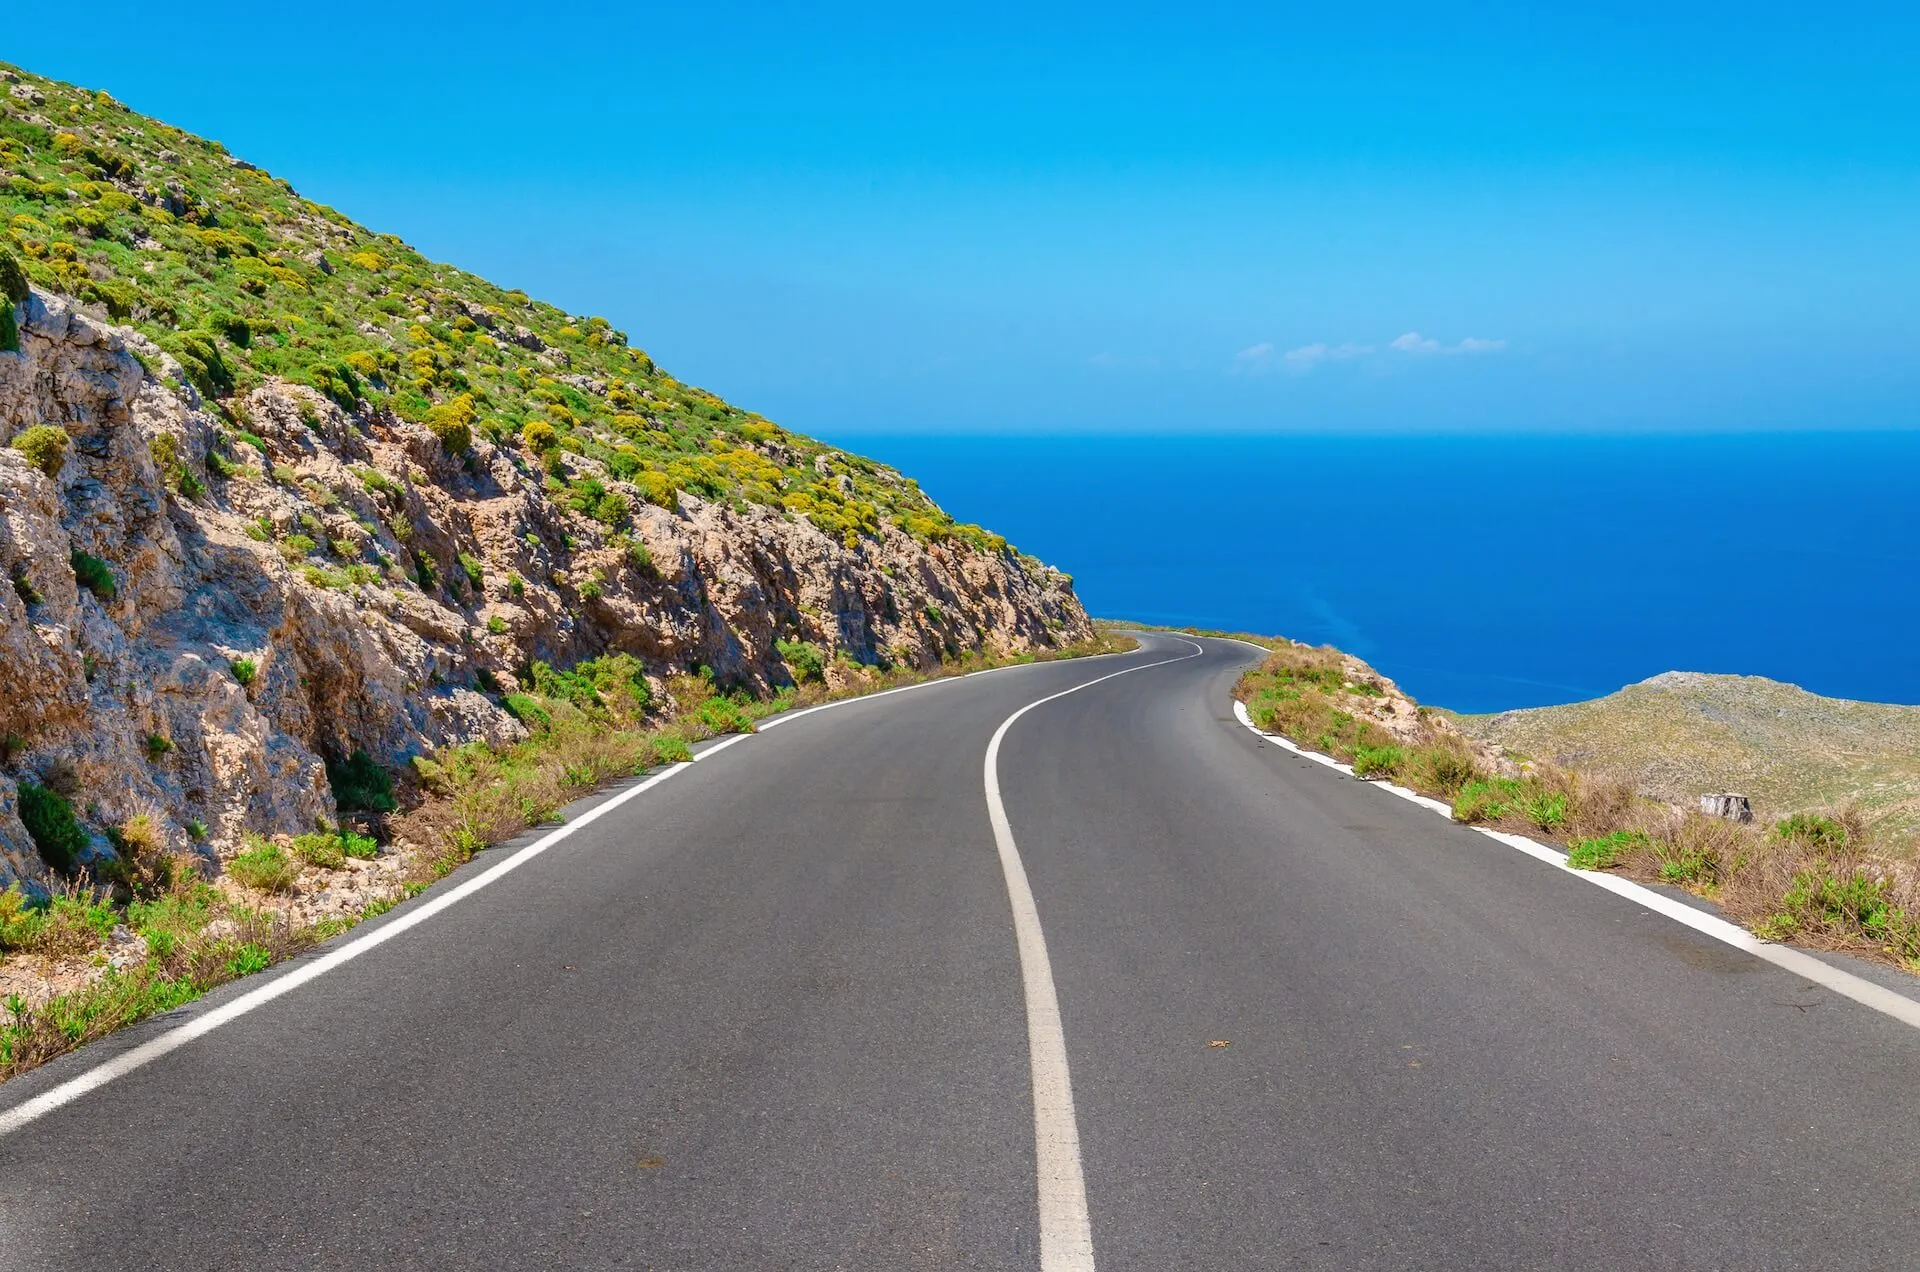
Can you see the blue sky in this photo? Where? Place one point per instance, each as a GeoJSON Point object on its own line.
{"type": "Point", "coordinates": [1207, 218]}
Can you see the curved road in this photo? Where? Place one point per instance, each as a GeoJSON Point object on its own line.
{"type": "Point", "coordinates": [772, 1013]}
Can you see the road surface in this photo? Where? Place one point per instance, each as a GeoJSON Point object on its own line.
{"type": "Point", "coordinates": [775, 1013]}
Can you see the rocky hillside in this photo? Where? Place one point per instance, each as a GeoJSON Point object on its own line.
{"type": "Point", "coordinates": [276, 490]}
{"type": "Point", "coordinates": [1680, 734]}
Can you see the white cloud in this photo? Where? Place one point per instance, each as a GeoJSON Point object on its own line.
{"type": "Point", "coordinates": [1264, 357]}
{"type": "Point", "coordinates": [1421, 346]}
{"type": "Point", "coordinates": [1254, 359]}
{"type": "Point", "coordinates": [1259, 359]}
{"type": "Point", "coordinates": [1307, 357]}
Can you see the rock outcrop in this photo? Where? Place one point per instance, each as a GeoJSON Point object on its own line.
{"type": "Point", "coordinates": [209, 601]}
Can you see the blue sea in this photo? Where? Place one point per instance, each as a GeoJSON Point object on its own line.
{"type": "Point", "coordinates": [1482, 573]}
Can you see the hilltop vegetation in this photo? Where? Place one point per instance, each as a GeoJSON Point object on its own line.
{"type": "Point", "coordinates": [1680, 734]}
{"type": "Point", "coordinates": [242, 280]}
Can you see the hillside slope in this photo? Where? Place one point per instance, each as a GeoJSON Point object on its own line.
{"type": "Point", "coordinates": [1680, 734]}
{"type": "Point", "coordinates": [275, 489]}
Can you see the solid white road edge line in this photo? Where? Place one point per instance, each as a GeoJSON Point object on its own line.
{"type": "Point", "coordinates": [1066, 1234]}
{"type": "Point", "coordinates": [1858, 988]}
{"type": "Point", "coordinates": [39, 1106]}
{"type": "Point", "coordinates": [93, 1079]}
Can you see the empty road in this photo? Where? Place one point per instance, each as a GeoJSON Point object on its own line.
{"type": "Point", "coordinates": [777, 1011]}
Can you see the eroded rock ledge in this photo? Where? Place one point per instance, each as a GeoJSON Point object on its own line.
{"type": "Point", "coordinates": [291, 582]}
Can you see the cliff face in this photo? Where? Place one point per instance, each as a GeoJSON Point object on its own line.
{"type": "Point", "coordinates": [286, 581]}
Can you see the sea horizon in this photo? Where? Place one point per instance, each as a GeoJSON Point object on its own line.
{"type": "Point", "coordinates": [1483, 572]}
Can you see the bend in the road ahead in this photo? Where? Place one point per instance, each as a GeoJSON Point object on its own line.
{"type": "Point", "coordinates": [1066, 1234]}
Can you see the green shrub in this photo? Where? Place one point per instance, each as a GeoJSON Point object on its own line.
{"type": "Point", "coordinates": [803, 658]}
{"type": "Point", "coordinates": [93, 574]}
{"type": "Point", "coordinates": [1688, 863]}
{"type": "Point", "coordinates": [1546, 809]}
{"type": "Point", "coordinates": [23, 587]}
{"type": "Point", "coordinates": [377, 482]}
{"type": "Point", "coordinates": [14, 289]}
{"type": "Point", "coordinates": [452, 423]}
{"type": "Point", "coordinates": [612, 509]}
{"type": "Point", "coordinates": [9, 330]}
{"type": "Point", "coordinates": [1378, 761]}
{"type": "Point", "coordinates": [1484, 799]}
{"type": "Point", "coordinates": [264, 866]}
{"type": "Point", "coordinates": [657, 488]}
{"type": "Point", "coordinates": [476, 572]}
{"type": "Point", "coordinates": [232, 326]}
{"type": "Point", "coordinates": [45, 446]}
{"type": "Point", "coordinates": [539, 436]}
{"type": "Point", "coordinates": [1855, 903]}
{"type": "Point", "coordinates": [60, 926]}
{"type": "Point", "coordinates": [158, 744]}
{"type": "Point", "coordinates": [361, 785]}
{"type": "Point", "coordinates": [329, 849]}
{"type": "Point", "coordinates": [1442, 768]}
{"type": "Point", "coordinates": [1603, 852]}
{"type": "Point", "coordinates": [244, 670]}
{"type": "Point", "coordinates": [527, 710]}
{"type": "Point", "coordinates": [250, 958]}
{"type": "Point", "coordinates": [51, 825]}
{"type": "Point", "coordinates": [496, 625]}
{"type": "Point", "coordinates": [723, 715]}
{"type": "Point", "coordinates": [20, 919]}
{"type": "Point", "coordinates": [1822, 834]}
{"type": "Point", "coordinates": [201, 359]}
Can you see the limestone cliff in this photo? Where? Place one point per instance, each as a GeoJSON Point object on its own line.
{"type": "Point", "coordinates": [286, 581]}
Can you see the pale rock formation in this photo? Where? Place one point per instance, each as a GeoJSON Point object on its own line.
{"type": "Point", "coordinates": [377, 637]}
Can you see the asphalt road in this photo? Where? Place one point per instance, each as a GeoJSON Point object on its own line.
{"type": "Point", "coordinates": [770, 1014]}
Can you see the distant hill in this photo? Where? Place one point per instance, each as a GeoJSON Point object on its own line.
{"type": "Point", "coordinates": [1682, 733]}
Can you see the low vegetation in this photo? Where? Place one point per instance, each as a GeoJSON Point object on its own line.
{"type": "Point", "coordinates": [587, 725]}
{"type": "Point", "coordinates": [1821, 879]}
{"type": "Point", "coordinates": [1678, 734]}
{"type": "Point", "coordinates": [241, 280]}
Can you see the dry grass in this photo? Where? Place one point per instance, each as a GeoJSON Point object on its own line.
{"type": "Point", "coordinates": [183, 971]}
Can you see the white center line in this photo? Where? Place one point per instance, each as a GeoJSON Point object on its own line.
{"type": "Point", "coordinates": [1066, 1235]}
